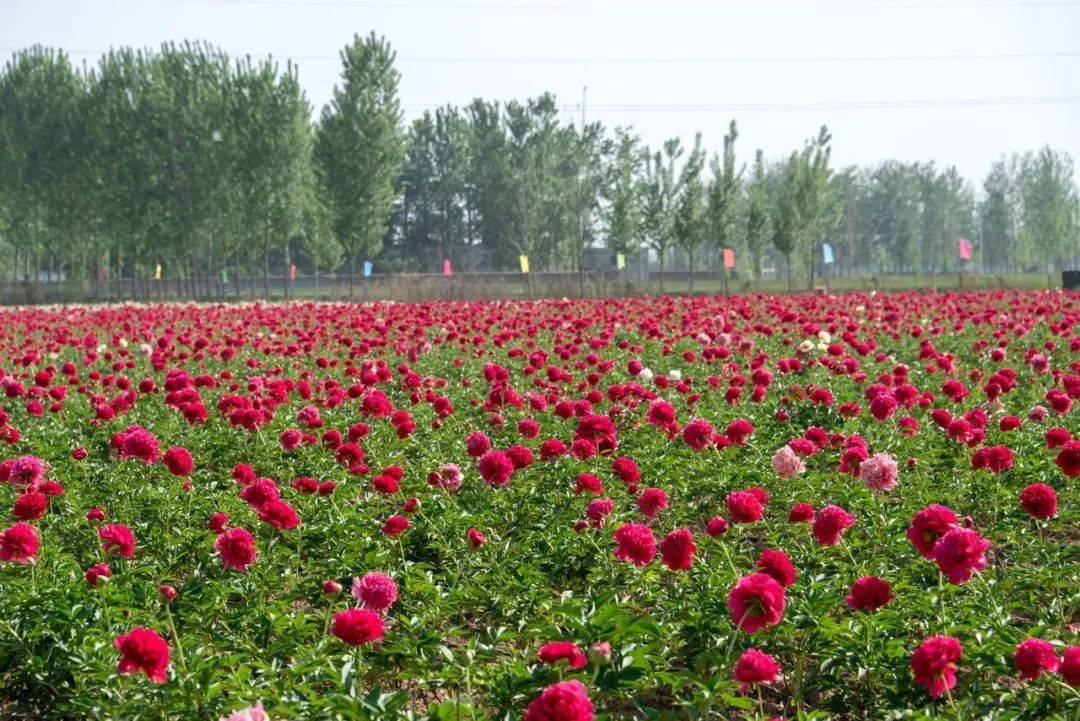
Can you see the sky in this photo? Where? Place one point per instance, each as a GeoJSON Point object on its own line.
{"type": "Point", "coordinates": [957, 82]}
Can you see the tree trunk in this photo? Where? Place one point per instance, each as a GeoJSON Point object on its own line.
{"type": "Point", "coordinates": [661, 256]}
{"type": "Point", "coordinates": [266, 274]}
{"type": "Point", "coordinates": [288, 273]}
{"type": "Point", "coordinates": [352, 276]}
{"type": "Point", "coordinates": [690, 257]}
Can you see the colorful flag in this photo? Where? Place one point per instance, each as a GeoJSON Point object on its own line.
{"type": "Point", "coordinates": [963, 249]}
{"type": "Point", "coordinates": [157, 272]}
{"type": "Point", "coordinates": [368, 267]}
{"type": "Point", "coordinates": [826, 253]}
{"type": "Point", "coordinates": [292, 272]}
{"type": "Point", "coordinates": [523, 260]}
{"type": "Point", "coordinates": [447, 269]}
{"type": "Point", "coordinates": [620, 260]}
{"type": "Point", "coordinates": [729, 258]}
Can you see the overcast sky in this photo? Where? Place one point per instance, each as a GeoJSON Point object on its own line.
{"type": "Point", "coordinates": [948, 78]}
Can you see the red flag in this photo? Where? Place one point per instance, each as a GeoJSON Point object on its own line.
{"type": "Point", "coordinates": [729, 258]}
{"type": "Point", "coordinates": [446, 267]}
{"type": "Point", "coordinates": [963, 249]}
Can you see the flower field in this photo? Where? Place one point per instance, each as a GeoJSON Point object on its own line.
{"type": "Point", "coordinates": [803, 507]}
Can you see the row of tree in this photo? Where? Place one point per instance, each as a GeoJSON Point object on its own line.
{"type": "Point", "coordinates": [187, 160]}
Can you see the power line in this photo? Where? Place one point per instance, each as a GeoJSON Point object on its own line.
{"type": "Point", "coordinates": [642, 60]}
{"type": "Point", "coordinates": [666, 7]}
{"type": "Point", "coordinates": [811, 105]}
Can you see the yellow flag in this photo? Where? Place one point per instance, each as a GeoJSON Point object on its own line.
{"type": "Point", "coordinates": [620, 261]}
{"type": "Point", "coordinates": [524, 260]}
{"type": "Point", "coordinates": [157, 272]}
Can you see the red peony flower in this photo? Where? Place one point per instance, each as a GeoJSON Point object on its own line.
{"type": "Point", "coordinates": [30, 506]}
{"type": "Point", "coordinates": [178, 460]}
{"type": "Point", "coordinates": [1070, 666]}
{"type": "Point", "coordinates": [377, 591]}
{"type": "Point", "coordinates": [495, 468]}
{"type": "Point", "coordinates": [563, 651]}
{"type": "Point", "coordinates": [217, 522]}
{"type": "Point", "coordinates": [626, 470]}
{"type": "Point", "coordinates": [652, 501]}
{"type": "Point", "coordinates": [237, 549]}
{"type": "Point", "coordinates": [279, 514]}
{"type": "Point", "coordinates": [19, 544]}
{"type": "Point", "coordinates": [678, 549]}
{"type": "Point", "coordinates": [699, 434]}
{"type": "Point", "coordinates": [755, 666]}
{"type": "Point", "coordinates": [635, 543]}
{"type": "Point", "coordinates": [801, 513]}
{"type": "Point", "coordinates": [259, 492]}
{"type": "Point", "coordinates": [1034, 656]}
{"type": "Point", "coordinates": [563, 701]}
{"type": "Point", "coordinates": [716, 526]}
{"type": "Point", "coordinates": [959, 554]}
{"type": "Point", "coordinates": [117, 540]}
{"type": "Point", "coordinates": [869, 594]}
{"type": "Point", "coordinates": [98, 573]}
{"type": "Point", "coordinates": [143, 649]}
{"type": "Point", "coordinates": [830, 524]}
{"type": "Point", "coordinates": [394, 526]}
{"type": "Point", "coordinates": [757, 601]}
{"type": "Point", "coordinates": [929, 525]}
{"type": "Point", "coordinates": [477, 444]}
{"type": "Point", "coordinates": [357, 626]}
{"type": "Point", "coordinates": [776, 563]}
{"type": "Point", "coordinates": [933, 664]}
{"type": "Point", "coordinates": [743, 507]}
{"type": "Point", "coordinates": [1039, 500]}
{"type": "Point", "coordinates": [587, 482]}
{"type": "Point", "coordinates": [993, 458]}
{"type": "Point", "coordinates": [1068, 459]}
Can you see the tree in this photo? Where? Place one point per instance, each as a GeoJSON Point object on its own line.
{"type": "Point", "coordinates": [318, 241]}
{"type": "Point", "coordinates": [997, 219]}
{"type": "Point", "coordinates": [359, 148]}
{"type": "Point", "coordinates": [623, 213]}
{"type": "Point", "coordinates": [725, 194]}
{"type": "Point", "coordinates": [1049, 207]}
{"type": "Point", "coordinates": [487, 185]}
{"type": "Point", "coordinates": [659, 200]}
{"type": "Point", "coordinates": [758, 220]}
{"type": "Point", "coordinates": [786, 224]}
{"type": "Point", "coordinates": [817, 214]}
{"type": "Point", "coordinates": [42, 159]}
{"type": "Point", "coordinates": [691, 217]}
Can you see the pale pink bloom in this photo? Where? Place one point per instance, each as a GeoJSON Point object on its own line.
{"type": "Point", "coordinates": [879, 472]}
{"type": "Point", "coordinates": [787, 464]}
{"type": "Point", "coordinates": [255, 713]}
{"type": "Point", "coordinates": [377, 591]}
{"type": "Point", "coordinates": [447, 478]}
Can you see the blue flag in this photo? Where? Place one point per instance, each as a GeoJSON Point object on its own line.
{"type": "Point", "coordinates": [368, 267]}
{"type": "Point", "coordinates": [826, 253]}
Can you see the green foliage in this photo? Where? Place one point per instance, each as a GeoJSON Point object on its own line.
{"type": "Point", "coordinates": [691, 216]}
{"type": "Point", "coordinates": [359, 148]}
{"type": "Point", "coordinates": [182, 158]}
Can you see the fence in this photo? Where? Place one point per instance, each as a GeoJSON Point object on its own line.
{"type": "Point", "coordinates": [469, 286]}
